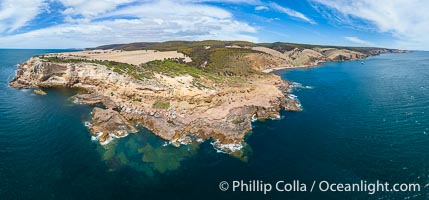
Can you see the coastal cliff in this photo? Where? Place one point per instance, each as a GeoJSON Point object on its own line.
{"type": "Point", "coordinates": [182, 91]}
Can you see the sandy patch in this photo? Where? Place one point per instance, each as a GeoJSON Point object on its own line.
{"type": "Point", "coordinates": [130, 57]}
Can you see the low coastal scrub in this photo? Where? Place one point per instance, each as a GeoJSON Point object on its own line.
{"type": "Point", "coordinates": [222, 58]}
{"type": "Point", "coordinates": [285, 46]}
{"type": "Point", "coordinates": [229, 62]}
{"type": "Point", "coordinates": [118, 67]}
{"type": "Point", "coordinates": [170, 68]}
{"type": "Point", "coordinates": [218, 61]}
{"type": "Point", "coordinates": [161, 105]}
{"type": "Point", "coordinates": [213, 56]}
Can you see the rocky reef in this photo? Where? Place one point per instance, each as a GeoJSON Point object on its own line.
{"type": "Point", "coordinates": [213, 91]}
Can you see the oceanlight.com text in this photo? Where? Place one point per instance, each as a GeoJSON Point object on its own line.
{"type": "Point", "coordinates": [321, 186]}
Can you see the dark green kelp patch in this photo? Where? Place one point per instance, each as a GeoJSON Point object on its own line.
{"type": "Point", "coordinates": [146, 153]}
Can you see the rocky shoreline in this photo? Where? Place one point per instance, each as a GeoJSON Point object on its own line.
{"type": "Point", "coordinates": [219, 114]}
{"type": "Point", "coordinates": [192, 106]}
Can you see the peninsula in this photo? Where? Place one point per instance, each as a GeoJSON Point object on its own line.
{"type": "Point", "coordinates": [180, 90]}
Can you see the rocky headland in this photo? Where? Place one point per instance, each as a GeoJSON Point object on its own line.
{"type": "Point", "coordinates": [181, 91]}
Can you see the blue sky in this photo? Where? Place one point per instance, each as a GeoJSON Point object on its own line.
{"type": "Point", "coordinates": [87, 23]}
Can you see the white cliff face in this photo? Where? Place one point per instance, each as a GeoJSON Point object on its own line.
{"type": "Point", "coordinates": [172, 107]}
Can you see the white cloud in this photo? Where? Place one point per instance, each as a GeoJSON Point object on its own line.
{"type": "Point", "coordinates": [252, 2]}
{"type": "Point", "coordinates": [259, 8]}
{"type": "Point", "coordinates": [358, 41]}
{"type": "Point", "coordinates": [408, 21]}
{"type": "Point", "coordinates": [170, 10]}
{"type": "Point", "coordinates": [291, 12]}
{"type": "Point", "coordinates": [272, 19]}
{"type": "Point", "coordinates": [150, 21]}
{"type": "Point", "coordinates": [15, 14]}
{"type": "Point", "coordinates": [91, 8]}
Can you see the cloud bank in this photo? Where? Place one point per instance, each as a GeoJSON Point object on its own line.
{"type": "Point", "coordinates": [90, 23]}
{"type": "Point", "coordinates": [408, 21]}
{"type": "Point", "coordinates": [15, 14]}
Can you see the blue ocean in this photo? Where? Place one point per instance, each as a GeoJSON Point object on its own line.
{"type": "Point", "coordinates": [361, 121]}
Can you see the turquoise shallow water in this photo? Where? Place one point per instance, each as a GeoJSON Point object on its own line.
{"type": "Point", "coordinates": [360, 122]}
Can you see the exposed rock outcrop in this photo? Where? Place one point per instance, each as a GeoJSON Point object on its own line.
{"type": "Point", "coordinates": [175, 108]}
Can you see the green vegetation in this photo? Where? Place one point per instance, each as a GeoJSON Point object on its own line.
{"type": "Point", "coordinates": [209, 55]}
{"type": "Point", "coordinates": [167, 67]}
{"type": "Point", "coordinates": [118, 67]}
{"type": "Point", "coordinates": [285, 46]}
{"type": "Point", "coordinates": [198, 51]}
{"type": "Point", "coordinates": [173, 69]}
{"type": "Point", "coordinates": [137, 99]}
{"type": "Point", "coordinates": [181, 46]}
{"type": "Point", "coordinates": [161, 105]}
{"type": "Point", "coordinates": [238, 121]}
{"type": "Point", "coordinates": [211, 59]}
{"type": "Point", "coordinates": [212, 56]}
{"type": "Point", "coordinates": [230, 62]}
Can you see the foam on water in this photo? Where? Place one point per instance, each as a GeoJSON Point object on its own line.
{"type": "Point", "coordinates": [224, 148]}
{"type": "Point", "coordinates": [296, 85]}
{"type": "Point", "coordinates": [96, 136]}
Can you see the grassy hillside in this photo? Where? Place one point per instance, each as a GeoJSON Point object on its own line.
{"type": "Point", "coordinates": [211, 58]}
{"type": "Point", "coordinates": [186, 46]}
{"type": "Point", "coordinates": [173, 45]}
{"type": "Point", "coordinates": [284, 46]}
